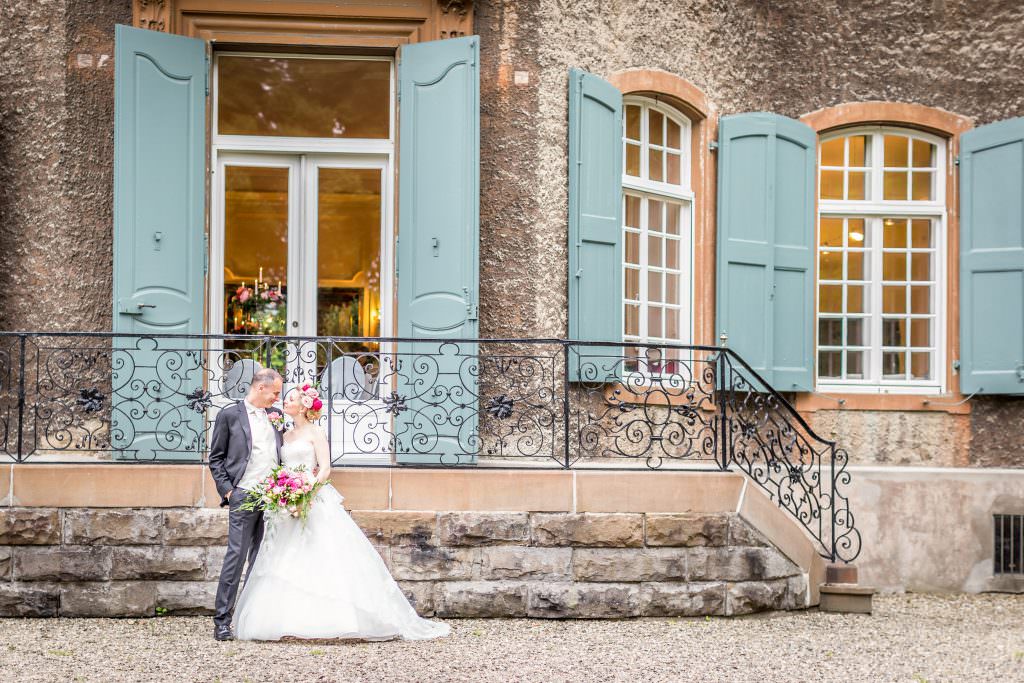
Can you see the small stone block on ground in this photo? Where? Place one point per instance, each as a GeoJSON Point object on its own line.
{"type": "Point", "coordinates": [846, 598]}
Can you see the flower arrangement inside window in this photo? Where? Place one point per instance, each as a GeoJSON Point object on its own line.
{"type": "Point", "coordinates": [259, 309]}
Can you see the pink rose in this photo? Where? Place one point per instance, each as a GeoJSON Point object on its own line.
{"type": "Point", "coordinates": [312, 393]}
{"type": "Point", "coordinates": [307, 402]}
{"type": "Point", "coordinates": [243, 296]}
{"type": "Point", "coordinates": [317, 404]}
{"type": "Point", "coordinates": [305, 387]}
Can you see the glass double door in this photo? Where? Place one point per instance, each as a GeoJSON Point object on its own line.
{"type": "Point", "coordinates": [303, 248]}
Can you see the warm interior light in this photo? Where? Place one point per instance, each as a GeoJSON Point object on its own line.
{"type": "Point", "coordinates": [856, 236]}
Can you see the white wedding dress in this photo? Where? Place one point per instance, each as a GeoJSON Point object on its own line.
{"type": "Point", "coordinates": [323, 579]}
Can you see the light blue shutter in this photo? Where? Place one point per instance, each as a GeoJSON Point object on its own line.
{"type": "Point", "coordinates": [159, 208]}
{"type": "Point", "coordinates": [766, 168]}
{"type": "Point", "coordinates": [992, 259]}
{"type": "Point", "coordinates": [595, 225]}
{"type": "Point", "coordinates": [438, 233]}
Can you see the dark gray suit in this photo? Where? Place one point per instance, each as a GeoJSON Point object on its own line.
{"type": "Point", "coordinates": [229, 456]}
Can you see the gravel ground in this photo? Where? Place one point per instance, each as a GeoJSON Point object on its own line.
{"type": "Point", "coordinates": [909, 638]}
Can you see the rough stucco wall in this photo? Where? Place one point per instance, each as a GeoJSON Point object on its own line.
{"type": "Point", "coordinates": [56, 153]}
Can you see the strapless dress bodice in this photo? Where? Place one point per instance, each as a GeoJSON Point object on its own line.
{"type": "Point", "coordinates": [299, 452]}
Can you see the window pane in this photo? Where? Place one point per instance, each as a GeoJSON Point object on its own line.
{"type": "Point", "coordinates": [855, 265]}
{"type": "Point", "coordinates": [894, 233]}
{"type": "Point", "coordinates": [894, 267]}
{"type": "Point", "coordinates": [348, 252]}
{"type": "Point", "coordinates": [894, 332]}
{"type": "Point", "coordinates": [654, 287]}
{"type": "Point", "coordinates": [921, 233]}
{"type": "Point", "coordinates": [632, 160]}
{"type": "Point", "coordinates": [896, 151]}
{"type": "Point", "coordinates": [303, 97]}
{"type": "Point", "coordinates": [654, 321]}
{"type": "Point", "coordinates": [855, 299]}
{"type": "Point", "coordinates": [855, 332]}
{"type": "Point", "coordinates": [858, 150]}
{"type": "Point", "coordinates": [894, 300]}
{"type": "Point", "coordinates": [632, 247]}
{"type": "Point", "coordinates": [831, 184]}
{"type": "Point", "coordinates": [672, 254]}
{"type": "Point", "coordinates": [672, 288]}
{"type": "Point", "coordinates": [632, 319]}
{"type": "Point", "coordinates": [655, 164]}
{"type": "Point", "coordinates": [924, 154]}
{"type": "Point", "coordinates": [830, 363]}
{"type": "Point", "coordinates": [674, 169]}
{"type": "Point", "coordinates": [922, 186]}
{"type": "Point", "coordinates": [895, 185]}
{"type": "Point", "coordinates": [255, 248]}
{"type": "Point", "coordinates": [830, 298]}
{"type": "Point", "coordinates": [830, 332]}
{"type": "Point", "coordinates": [921, 267]}
{"type": "Point", "coordinates": [632, 211]}
{"type": "Point", "coordinates": [920, 365]}
{"type": "Point", "coordinates": [920, 332]}
{"type": "Point", "coordinates": [656, 130]}
{"type": "Point", "coordinates": [831, 232]}
{"type": "Point", "coordinates": [894, 365]}
{"type": "Point", "coordinates": [654, 251]}
{"type": "Point", "coordinates": [856, 184]}
{"type": "Point", "coordinates": [832, 152]}
{"type": "Point", "coordinates": [830, 265]}
{"type": "Point", "coordinates": [855, 365]}
{"type": "Point", "coordinates": [672, 323]}
{"type": "Point", "coordinates": [654, 215]}
{"type": "Point", "coordinates": [674, 136]}
{"type": "Point", "coordinates": [633, 284]}
{"type": "Point", "coordinates": [921, 300]}
{"type": "Point", "coordinates": [674, 210]}
{"type": "Point", "coordinates": [855, 232]}
{"type": "Point", "coordinates": [633, 122]}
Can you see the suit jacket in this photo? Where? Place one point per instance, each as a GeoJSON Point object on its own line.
{"type": "Point", "coordinates": [232, 446]}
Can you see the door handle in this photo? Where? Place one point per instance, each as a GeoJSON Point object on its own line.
{"type": "Point", "coordinates": [127, 309]}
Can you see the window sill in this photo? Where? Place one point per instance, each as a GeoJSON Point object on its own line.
{"type": "Point", "coordinates": [933, 403]}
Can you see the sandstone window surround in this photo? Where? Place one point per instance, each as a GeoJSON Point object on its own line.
{"type": "Point", "coordinates": [927, 124]}
{"type": "Point", "coordinates": [319, 23]}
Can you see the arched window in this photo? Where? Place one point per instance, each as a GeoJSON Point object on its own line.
{"type": "Point", "coordinates": [881, 279]}
{"type": "Point", "coordinates": [657, 228]}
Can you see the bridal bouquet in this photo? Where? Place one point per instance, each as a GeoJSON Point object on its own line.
{"type": "Point", "coordinates": [286, 490]}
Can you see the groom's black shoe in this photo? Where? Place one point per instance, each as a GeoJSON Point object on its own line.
{"type": "Point", "coordinates": [223, 633]}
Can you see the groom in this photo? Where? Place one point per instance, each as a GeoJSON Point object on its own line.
{"type": "Point", "coordinates": [245, 449]}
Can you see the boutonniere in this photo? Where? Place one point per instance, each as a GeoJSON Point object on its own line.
{"type": "Point", "coordinates": [277, 420]}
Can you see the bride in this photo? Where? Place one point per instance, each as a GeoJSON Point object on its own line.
{"type": "Point", "coordinates": [322, 579]}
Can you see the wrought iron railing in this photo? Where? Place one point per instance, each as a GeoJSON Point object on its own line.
{"type": "Point", "coordinates": [87, 397]}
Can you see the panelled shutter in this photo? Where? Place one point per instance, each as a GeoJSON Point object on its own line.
{"type": "Point", "coordinates": [159, 209]}
{"type": "Point", "coordinates": [766, 233]}
{"type": "Point", "coordinates": [992, 259]}
{"type": "Point", "coordinates": [595, 226]}
{"type": "Point", "coordinates": [438, 247]}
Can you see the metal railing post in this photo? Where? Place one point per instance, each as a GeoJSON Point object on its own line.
{"type": "Point", "coordinates": [722, 407]}
{"type": "Point", "coordinates": [21, 396]}
{"type": "Point", "coordinates": [565, 402]}
{"type": "Point", "coordinates": [833, 496]}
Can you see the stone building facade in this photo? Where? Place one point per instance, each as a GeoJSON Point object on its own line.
{"type": "Point", "coordinates": [937, 67]}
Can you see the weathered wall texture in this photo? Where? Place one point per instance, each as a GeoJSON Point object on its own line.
{"type": "Point", "coordinates": [143, 562]}
{"type": "Point", "coordinates": [787, 56]}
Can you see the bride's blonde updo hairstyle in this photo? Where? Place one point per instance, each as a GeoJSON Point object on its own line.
{"type": "Point", "coordinates": [312, 404]}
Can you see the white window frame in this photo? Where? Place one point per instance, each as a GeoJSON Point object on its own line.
{"type": "Point", "coordinates": [303, 156]}
{"type": "Point", "coordinates": [874, 210]}
{"type": "Point", "coordinates": [681, 194]}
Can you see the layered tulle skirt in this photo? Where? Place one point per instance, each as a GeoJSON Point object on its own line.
{"type": "Point", "coordinates": [323, 579]}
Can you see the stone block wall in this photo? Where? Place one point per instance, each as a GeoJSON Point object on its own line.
{"type": "Point", "coordinates": [148, 561]}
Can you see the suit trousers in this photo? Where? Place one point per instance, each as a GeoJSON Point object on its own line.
{"type": "Point", "coordinates": [245, 532]}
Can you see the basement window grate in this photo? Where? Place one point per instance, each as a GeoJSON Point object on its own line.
{"type": "Point", "coordinates": [1009, 544]}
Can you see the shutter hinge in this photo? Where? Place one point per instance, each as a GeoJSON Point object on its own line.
{"type": "Point", "coordinates": [956, 160]}
{"type": "Point", "coordinates": [206, 73]}
{"type": "Point", "coordinates": [206, 253]}
{"type": "Point", "coordinates": [956, 366]}
{"type": "Point", "coordinates": [579, 273]}
{"type": "Point", "coordinates": [713, 146]}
